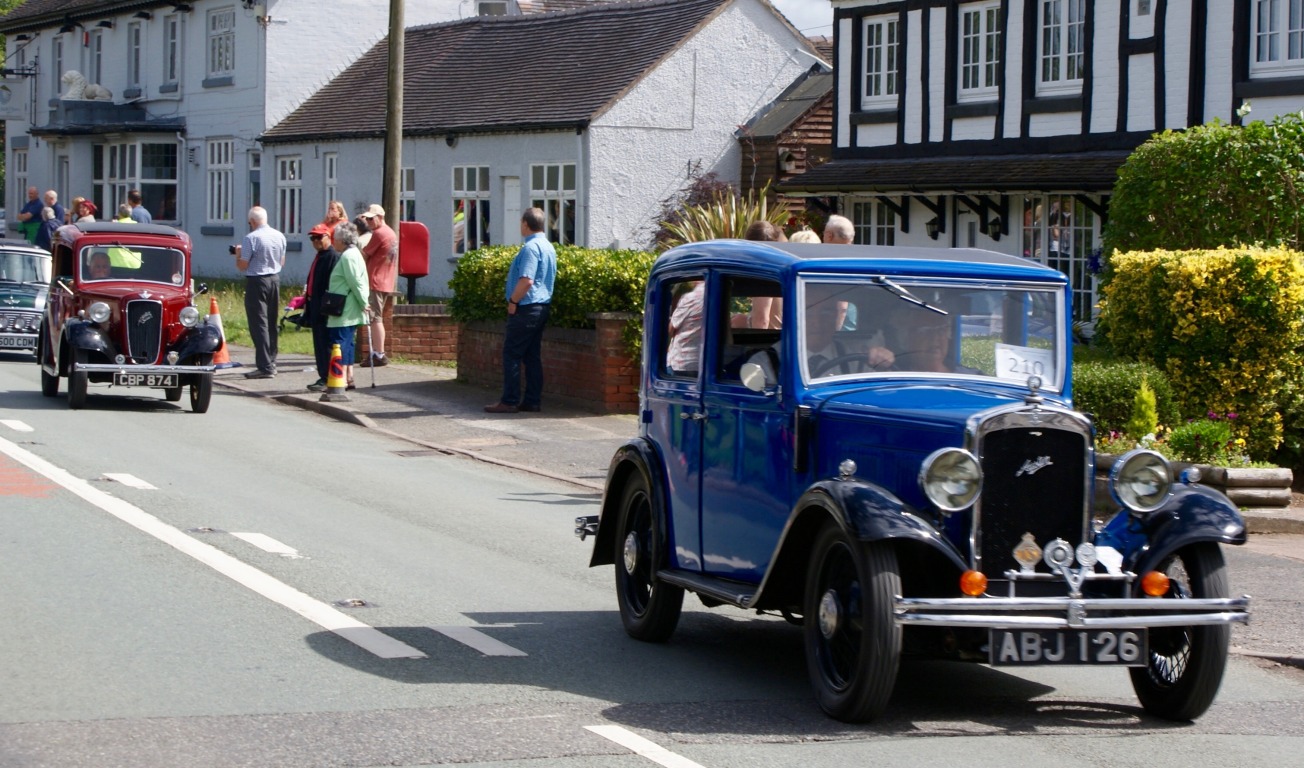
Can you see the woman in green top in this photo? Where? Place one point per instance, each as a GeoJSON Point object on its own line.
{"type": "Point", "coordinates": [349, 277]}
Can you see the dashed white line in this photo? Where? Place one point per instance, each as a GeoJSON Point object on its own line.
{"type": "Point", "coordinates": [16, 425]}
{"type": "Point", "coordinates": [131, 481]}
{"type": "Point", "coordinates": [479, 641]}
{"type": "Point", "coordinates": [362, 635]}
{"type": "Point", "coordinates": [642, 747]}
{"type": "Point", "coordinates": [268, 544]}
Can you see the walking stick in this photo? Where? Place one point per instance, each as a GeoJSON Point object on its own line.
{"type": "Point", "coordinates": [372, 352]}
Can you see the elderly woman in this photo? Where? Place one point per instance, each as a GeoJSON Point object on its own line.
{"type": "Point", "coordinates": [348, 277]}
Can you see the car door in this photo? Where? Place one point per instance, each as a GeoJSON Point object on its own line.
{"type": "Point", "coordinates": [747, 446]}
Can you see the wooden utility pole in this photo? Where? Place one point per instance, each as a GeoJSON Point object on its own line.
{"type": "Point", "coordinates": [394, 117]}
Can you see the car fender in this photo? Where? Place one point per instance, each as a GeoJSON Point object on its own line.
{"type": "Point", "coordinates": [203, 339]}
{"type": "Point", "coordinates": [864, 510]}
{"type": "Point", "coordinates": [82, 334]}
{"type": "Point", "coordinates": [1194, 513]}
{"type": "Point", "coordinates": [635, 456]}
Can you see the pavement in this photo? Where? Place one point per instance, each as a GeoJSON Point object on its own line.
{"type": "Point", "coordinates": [425, 405]}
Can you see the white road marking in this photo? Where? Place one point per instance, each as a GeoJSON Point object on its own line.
{"type": "Point", "coordinates": [479, 641]}
{"type": "Point", "coordinates": [131, 481]}
{"type": "Point", "coordinates": [641, 746]}
{"type": "Point", "coordinates": [268, 544]}
{"type": "Point", "coordinates": [321, 614]}
{"type": "Point", "coordinates": [16, 425]}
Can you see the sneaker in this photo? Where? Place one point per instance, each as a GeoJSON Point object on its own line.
{"type": "Point", "coordinates": [260, 375]}
{"type": "Point", "coordinates": [375, 361]}
{"type": "Point", "coordinates": [317, 386]}
{"type": "Point", "coordinates": [501, 408]}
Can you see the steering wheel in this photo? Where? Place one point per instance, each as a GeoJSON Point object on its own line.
{"type": "Point", "coordinates": [853, 357]}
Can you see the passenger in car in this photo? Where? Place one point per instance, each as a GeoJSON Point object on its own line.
{"type": "Point", "coordinates": [99, 267]}
{"type": "Point", "coordinates": [922, 342]}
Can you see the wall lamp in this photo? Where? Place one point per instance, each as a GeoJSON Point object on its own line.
{"type": "Point", "coordinates": [451, 140]}
{"type": "Point", "coordinates": [182, 7]}
{"type": "Point", "coordinates": [146, 15]}
{"type": "Point", "coordinates": [933, 226]}
{"type": "Point", "coordinates": [104, 23]}
{"type": "Point", "coordinates": [22, 37]}
{"type": "Point", "coordinates": [69, 26]}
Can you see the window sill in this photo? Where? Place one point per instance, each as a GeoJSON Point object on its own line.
{"type": "Point", "coordinates": [131, 93]}
{"type": "Point", "coordinates": [972, 109]}
{"type": "Point", "coordinates": [169, 88]}
{"type": "Point", "coordinates": [1052, 104]}
{"type": "Point", "coordinates": [1263, 85]}
{"type": "Point", "coordinates": [874, 117]}
{"type": "Point", "coordinates": [218, 230]}
{"type": "Point", "coordinates": [219, 82]}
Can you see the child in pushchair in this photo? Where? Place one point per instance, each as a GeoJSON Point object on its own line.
{"type": "Point", "coordinates": [293, 313]}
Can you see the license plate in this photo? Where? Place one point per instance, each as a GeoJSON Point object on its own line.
{"type": "Point", "coordinates": [1026, 647]}
{"type": "Point", "coordinates": [159, 380]}
{"type": "Point", "coordinates": [18, 342]}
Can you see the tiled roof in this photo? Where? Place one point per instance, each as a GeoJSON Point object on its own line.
{"type": "Point", "coordinates": [1084, 171]}
{"type": "Point", "coordinates": [795, 101]}
{"type": "Point", "coordinates": [498, 73]}
{"type": "Point", "coordinates": [548, 6]}
{"type": "Point", "coordinates": [37, 12]}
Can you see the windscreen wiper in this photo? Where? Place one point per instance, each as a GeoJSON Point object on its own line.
{"type": "Point", "coordinates": [902, 293]}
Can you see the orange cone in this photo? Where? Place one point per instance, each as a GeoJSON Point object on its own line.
{"type": "Point", "coordinates": [335, 381]}
{"type": "Point", "coordinates": [222, 357]}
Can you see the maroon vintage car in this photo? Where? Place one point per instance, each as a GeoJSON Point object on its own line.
{"type": "Point", "coordinates": [121, 313]}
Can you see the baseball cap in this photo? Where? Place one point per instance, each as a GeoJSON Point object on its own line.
{"type": "Point", "coordinates": [320, 229]}
{"type": "Point", "coordinates": [374, 210]}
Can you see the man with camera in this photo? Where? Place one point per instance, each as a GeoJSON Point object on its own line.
{"type": "Point", "coordinates": [261, 256]}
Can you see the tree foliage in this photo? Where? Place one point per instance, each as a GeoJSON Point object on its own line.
{"type": "Point", "coordinates": [708, 208]}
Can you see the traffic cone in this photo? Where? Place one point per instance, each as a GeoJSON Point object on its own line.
{"type": "Point", "coordinates": [222, 357]}
{"type": "Point", "coordinates": [335, 381]}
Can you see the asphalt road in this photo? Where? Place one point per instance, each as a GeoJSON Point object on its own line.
{"type": "Point", "coordinates": [262, 586]}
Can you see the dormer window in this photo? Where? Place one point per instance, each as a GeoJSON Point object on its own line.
{"type": "Point", "coordinates": [492, 8]}
{"type": "Point", "coordinates": [882, 43]}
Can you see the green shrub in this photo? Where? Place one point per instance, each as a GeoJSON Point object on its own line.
{"type": "Point", "coordinates": [1145, 418]}
{"type": "Point", "coordinates": [1108, 389]}
{"type": "Point", "coordinates": [1212, 185]}
{"type": "Point", "coordinates": [1226, 326]}
{"type": "Point", "coordinates": [1202, 441]}
{"type": "Point", "coordinates": [589, 280]}
{"type": "Point", "coordinates": [723, 215]}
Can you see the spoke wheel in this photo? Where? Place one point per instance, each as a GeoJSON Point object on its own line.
{"type": "Point", "coordinates": [1185, 666]}
{"type": "Point", "coordinates": [853, 643]}
{"type": "Point", "coordinates": [201, 390]}
{"type": "Point", "coordinates": [649, 608]}
{"type": "Point", "coordinates": [49, 384]}
{"type": "Point", "coordinates": [78, 383]}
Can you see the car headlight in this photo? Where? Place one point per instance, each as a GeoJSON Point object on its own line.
{"type": "Point", "coordinates": [98, 312]}
{"type": "Point", "coordinates": [951, 479]}
{"type": "Point", "coordinates": [189, 317]}
{"type": "Point", "coordinates": [1140, 481]}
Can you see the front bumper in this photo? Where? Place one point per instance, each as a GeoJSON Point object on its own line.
{"type": "Point", "coordinates": [1070, 612]}
{"type": "Point", "coordinates": [103, 368]}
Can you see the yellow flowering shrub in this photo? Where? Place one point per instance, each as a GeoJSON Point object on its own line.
{"type": "Point", "coordinates": [1226, 326]}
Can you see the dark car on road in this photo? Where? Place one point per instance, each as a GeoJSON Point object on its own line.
{"type": "Point", "coordinates": [24, 283]}
{"type": "Point", "coordinates": [121, 313]}
{"type": "Point", "coordinates": [879, 444]}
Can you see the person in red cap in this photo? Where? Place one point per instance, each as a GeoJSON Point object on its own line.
{"type": "Point", "coordinates": [86, 211]}
{"type": "Point", "coordinates": [319, 277]}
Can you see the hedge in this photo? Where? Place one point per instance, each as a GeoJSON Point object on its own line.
{"type": "Point", "coordinates": [1226, 326]}
{"type": "Point", "coordinates": [1107, 390]}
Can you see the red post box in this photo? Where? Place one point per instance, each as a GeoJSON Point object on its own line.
{"type": "Point", "coordinates": [413, 249]}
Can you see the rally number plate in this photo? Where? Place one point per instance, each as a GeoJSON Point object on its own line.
{"type": "Point", "coordinates": [18, 342]}
{"type": "Point", "coordinates": [161, 380]}
{"type": "Point", "coordinates": [1026, 647]}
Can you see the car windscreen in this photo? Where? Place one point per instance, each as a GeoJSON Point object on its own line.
{"type": "Point", "coordinates": [20, 267]}
{"type": "Point", "coordinates": [899, 326]}
{"type": "Point", "coordinates": [132, 262]}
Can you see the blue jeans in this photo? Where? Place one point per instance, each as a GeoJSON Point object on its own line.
{"type": "Point", "coordinates": [524, 344]}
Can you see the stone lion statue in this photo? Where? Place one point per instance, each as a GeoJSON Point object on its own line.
{"type": "Point", "coordinates": [76, 87]}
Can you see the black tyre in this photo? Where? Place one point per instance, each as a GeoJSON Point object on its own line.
{"type": "Point", "coordinates": [49, 384]}
{"type": "Point", "coordinates": [853, 644]}
{"type": "Point", "coordinates": [649, 608]}
{"type": "Point", "coordinates": [78, 382]}
{"type": "Point", "coordinates": [173, 394]}
{"type": "Point", "coordinates": [1186, 664]}
{"type": "Point", "coordinates": [201, 391]}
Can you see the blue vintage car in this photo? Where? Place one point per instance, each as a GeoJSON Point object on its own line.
{"type": "Point", "coordinates": [879, 444]}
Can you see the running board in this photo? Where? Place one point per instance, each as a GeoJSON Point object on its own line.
{"type": "Point", "coordinates": [726, 591]}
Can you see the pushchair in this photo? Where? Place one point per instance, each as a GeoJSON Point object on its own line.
{"type": "Point", "coordinates": [294, 314]}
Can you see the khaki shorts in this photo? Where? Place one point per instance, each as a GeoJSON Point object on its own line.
{"type": "Point", "coordinates": [378, 300]}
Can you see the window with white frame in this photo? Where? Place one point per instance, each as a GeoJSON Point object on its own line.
{"type": "Point", "coordinates": [407, 195]}
{"type": "Point", "coordinates": [289, 195]}
{"type": "Point", "coordinates": [471, 207]}
{"type": "Point", "coordinates": [221, 42]}
{"type": "Point", "coordinates": [980, 51]}
{"type": "Point", "coordinates": [880, 76]}
{"type": "Point", "coordinates": [552, 188]}
{"type": "Point", "coordinates": [330, 172]}
{"type": "Point", "coordinates": [134, 35]}
{"type": "Point", "coordinates": [149, 166]}
{"type": "Point", "coordinates": [220, 160]}
{"type": "Point", "coordinates": [255, 178]}
{"type": "Point", "coordinates": [1061, 232]}
{"type": "Point", "coordinates": [1277, 31]}
{"type": "Point", "coordinates": [94, 56]}
{"type": "Point", "coordinates": [492, 8]}
{"type": "Point", "coordinates": [171, 49]}
{"type": "Point", "coordinates": [1061, 46]}
{"type": "Point", "coordinates": [18, 178]}
{"type": "Point", "coordinates": [874, 221]}
{"type": "Point", "coordinates": [56, 65]}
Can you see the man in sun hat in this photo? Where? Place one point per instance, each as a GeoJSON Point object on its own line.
{"type": "Point", "coordinates": [381, 254]}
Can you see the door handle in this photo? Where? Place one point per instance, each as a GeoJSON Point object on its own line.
{"type": "Point", "coordinates": [699, 416]}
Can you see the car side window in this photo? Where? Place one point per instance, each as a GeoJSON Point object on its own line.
{"type": "Point", "coordinates": [682, 317]}
{"type": "Point", "coordinates": [739, 335]}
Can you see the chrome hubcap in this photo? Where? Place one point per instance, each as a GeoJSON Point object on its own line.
{"type": "Point", "coordinates": [830, 615]}
{"type": "Point", "coordinates": [631, 552]}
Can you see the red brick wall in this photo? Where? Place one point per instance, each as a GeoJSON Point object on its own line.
{"type": "Point", "coordinates": [417, 332]}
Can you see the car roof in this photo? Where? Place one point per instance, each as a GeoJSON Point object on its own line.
{"type": "Point", "coordinates": [11, 244]}
{"type": "Point", "coordinates": [95, 227]}
{"type": "Point", "coordinates": [810, 258]}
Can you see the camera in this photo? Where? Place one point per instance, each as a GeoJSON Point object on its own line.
{"type": "Point", "coordinates": [230, 249]}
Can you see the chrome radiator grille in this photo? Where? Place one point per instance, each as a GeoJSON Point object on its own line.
{"type": "Point", "coordinates": [144, 330]}
{"type": "Point", "coordinates": [1034, 481]}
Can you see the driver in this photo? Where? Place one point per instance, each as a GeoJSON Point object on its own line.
{"type": "Point", "coordinates": [99, 267]}
{"type": "Point", "coordinates": [826, 354]}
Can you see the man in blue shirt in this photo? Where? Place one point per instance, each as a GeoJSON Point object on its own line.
{"type": "Point", "coordinates": [529, 293]}
{"type": "Point", "coordinates": [138, 212]}
{"type": "Point", "coordinates": [30, 216]}
{"type": "Point", "coordinates": [261, 256]}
